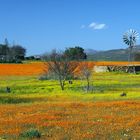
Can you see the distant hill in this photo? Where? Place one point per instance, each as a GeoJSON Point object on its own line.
{"type": "Point", "coordinates": [110, 55]}
{"type": "Point", "coordinates": [91, 51]}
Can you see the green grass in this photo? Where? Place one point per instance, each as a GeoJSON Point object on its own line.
{"type": "Point", "coordinates": [107, 86]}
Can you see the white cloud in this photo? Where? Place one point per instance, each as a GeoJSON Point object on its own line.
{"type": "Point", "coordinates": [97, 26]}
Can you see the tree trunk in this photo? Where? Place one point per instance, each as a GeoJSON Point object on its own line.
{"type": "Point", "coordinates": [61, 83]}
{"type": "Point", "coordinates": [88, 85]}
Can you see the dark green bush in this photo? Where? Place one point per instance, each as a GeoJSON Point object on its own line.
{"type": "Point", "coordinates": [13, 100]}
{"type": "Point", "coordinates": [32, 133]}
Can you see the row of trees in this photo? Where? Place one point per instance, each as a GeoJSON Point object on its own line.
{"type": "Point", "coordinates": [11, 54]}
{"type": "Point", "coordinates": [72, 53]}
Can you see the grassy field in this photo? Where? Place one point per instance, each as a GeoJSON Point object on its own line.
{"type": "Point", "coordinates": [40, 107]}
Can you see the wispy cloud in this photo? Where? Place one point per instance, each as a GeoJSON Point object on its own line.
{"type": "Point", "coordinates": [97, 26]}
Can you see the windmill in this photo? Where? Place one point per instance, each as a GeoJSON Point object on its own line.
{"type": "Point", "coordinates": [130, 38]}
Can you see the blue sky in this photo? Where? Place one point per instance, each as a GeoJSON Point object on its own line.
{"type": "Point", "coordinates": [42, 25]}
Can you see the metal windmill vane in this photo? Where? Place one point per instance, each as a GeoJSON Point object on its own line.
{"type": "Point", "coordinates": [130, 38]}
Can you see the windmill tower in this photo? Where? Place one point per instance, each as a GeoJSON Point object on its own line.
{"type": "Point", "coordinates": [130, 38]}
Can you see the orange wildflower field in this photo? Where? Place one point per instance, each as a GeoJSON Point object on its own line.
{"type": "Point", "coordinates": [72, 114]}
{"type": "Point", "coordinates": [70, 120]}
{"type": "Point", "coordinates": [21, 69]}
{"type": "Point", "coordinates": [37, 68]}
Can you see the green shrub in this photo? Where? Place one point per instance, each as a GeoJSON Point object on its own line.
{"type": "Point", "coordinates": [53, 76]}
{"type": "Point", "coordinates": [32, 133]}
{"type": "Point", "coordinates": [13, 100]}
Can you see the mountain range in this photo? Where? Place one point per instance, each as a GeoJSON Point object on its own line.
{"type": "Point", "coordinates": [110, 55]}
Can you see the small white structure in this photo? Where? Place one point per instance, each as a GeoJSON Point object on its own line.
{"type": "Point", "coordinates": [100, 69]}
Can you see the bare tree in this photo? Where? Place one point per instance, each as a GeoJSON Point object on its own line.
{"type": "Point", "coordinates": [61, 66]}
{"type": "Point", "coordinates": [86, 71]}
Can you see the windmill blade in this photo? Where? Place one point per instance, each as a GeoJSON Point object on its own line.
{"type": "Point", "coordinates": [126, 39]}
{"type": "Point", "coordinates": [130, 37]}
